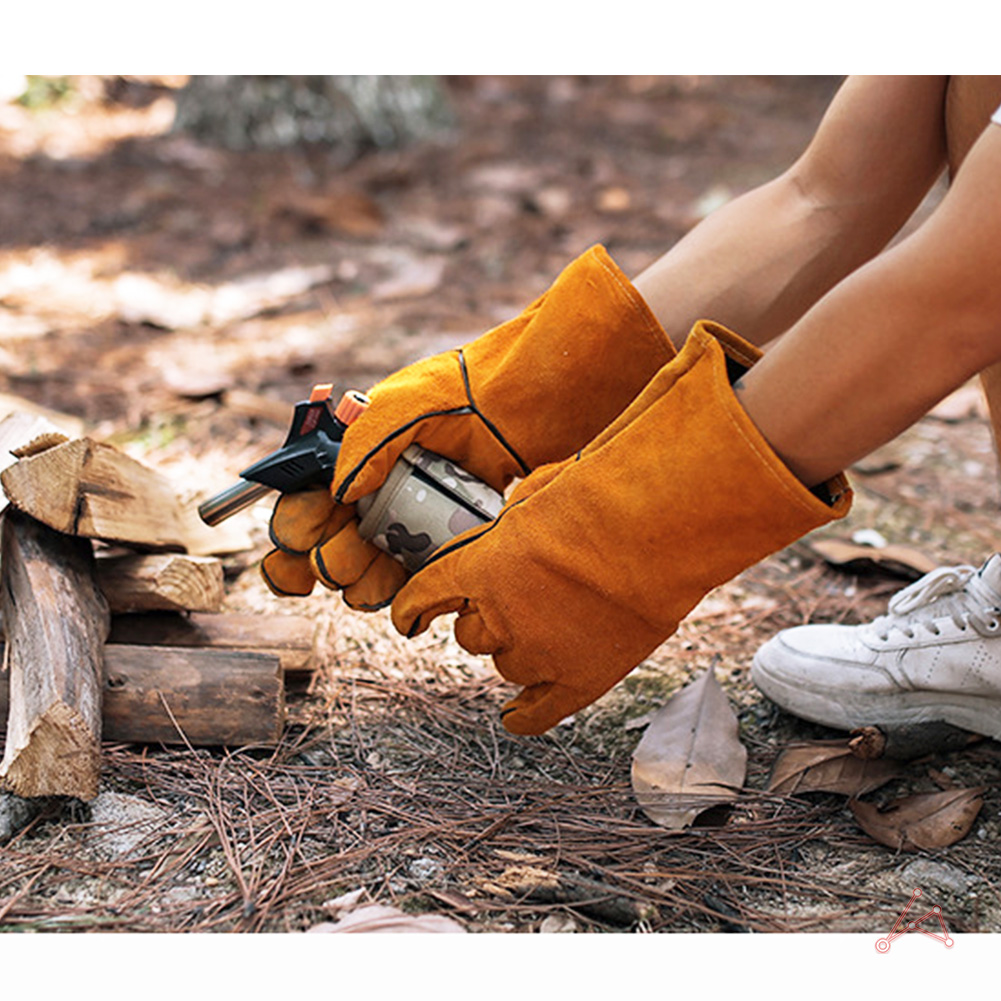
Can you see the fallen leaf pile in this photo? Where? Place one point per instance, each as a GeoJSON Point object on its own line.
{"type": "Point", "coordinates": [690, 759]}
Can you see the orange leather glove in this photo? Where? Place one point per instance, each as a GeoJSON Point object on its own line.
{"type": "Point", "coordinates": [591, 566]}
{"type": "Point", "coordinates": [532, 391]}
{"type": "Point", "coordinates": [311, 533]}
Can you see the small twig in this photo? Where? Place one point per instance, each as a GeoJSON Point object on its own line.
{"type": "Point", "coordinates": [23, 892]}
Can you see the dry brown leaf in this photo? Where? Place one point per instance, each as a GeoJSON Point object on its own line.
{"type": "Point", "coordinates": [690, 757]}
{"type": "Point", "coordinates": [828, 766]}
{"type": "Point", "coordinates": [382, 918]}
{"type": "Point", "coordinates": [896, 561]}
{"type": "Point", "coordinates": [922, 822]}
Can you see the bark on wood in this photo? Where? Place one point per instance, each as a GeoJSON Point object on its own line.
{"type": "Point", "coordinates": [165, 582]}
{"type": "Point", "coordinates": [216, 697]}
{"type": "Point", "coordinates": [288, 637]}
{"type": "Point", "coordinates": [56, 621]}
{"type": "Point", "coordinates": [92, 489]}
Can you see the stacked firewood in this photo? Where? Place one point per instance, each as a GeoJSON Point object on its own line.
{"type": "Point", "coordinates": [111, 607]}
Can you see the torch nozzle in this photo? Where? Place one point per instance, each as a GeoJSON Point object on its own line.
{"type": "Point", "coordinates": [235, 498]}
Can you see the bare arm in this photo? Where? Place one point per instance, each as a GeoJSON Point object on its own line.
{"type": "Point", "coordinates": [760, 262]}
{"type": "Point", "coordinates": [893, 338]}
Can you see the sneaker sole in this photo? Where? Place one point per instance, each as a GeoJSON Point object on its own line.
{"type": "Point", "coordinates": [836, 708]}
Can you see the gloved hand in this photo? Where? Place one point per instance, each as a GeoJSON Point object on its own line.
{"type": "Point", "coordinates": [591, 565]}
{"type": "Point", "coordinates": [312, 534]}
{"type": "Point", "coordinates": [531, 391]}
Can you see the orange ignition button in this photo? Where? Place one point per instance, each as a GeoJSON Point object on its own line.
{"type": "Point", "coordinates": [352, 405]}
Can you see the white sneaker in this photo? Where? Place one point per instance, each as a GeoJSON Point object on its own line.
{"type": "Point", "coordinates": [935, 656]}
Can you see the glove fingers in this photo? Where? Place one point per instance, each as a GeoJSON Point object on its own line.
{"type": "Point", "coordinates": [377, 587]}
{"type": "Point", "coordinates": [473, 634]}
{"type": "Point", "coordinates": [287, 575]}
{"type": "Point", "coordinates": [436, 590]}
{"type": "Point", "coordinates": [428, 594]}
{"type": "Point", "coordinates": [300, 520]}
{"type": "Point", "coordinates": [539, 707]}
{"type": "Point", "coordinates": [343, 558]}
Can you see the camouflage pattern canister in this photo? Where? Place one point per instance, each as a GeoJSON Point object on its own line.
{"type": "Point", "coordinates": [426, 501]}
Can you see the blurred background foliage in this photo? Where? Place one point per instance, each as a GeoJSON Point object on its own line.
{"type": "Point", "coordinates": [348, 113]}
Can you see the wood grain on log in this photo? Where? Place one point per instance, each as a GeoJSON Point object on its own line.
{"type": "Point", "coordinates": [90, 488]}
{"type": "Point", "coordinates": [18, 429]}
{"type": "Point", "coordinates": [201, 697]}
{"type": "Point", "coordinates": [56, 621]}
{"type": "Point", "coordinates": [163, 582]}
{"type": "Point", "coordinates": [211, 697]}
{"type": "Point", "coordinates": [288, 637]}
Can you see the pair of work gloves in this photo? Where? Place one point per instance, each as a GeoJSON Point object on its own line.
{"type": "Point", "coordinates": [643, 485]}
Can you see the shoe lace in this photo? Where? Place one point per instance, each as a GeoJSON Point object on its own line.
{"type": "Point", "coordinates": [958, 592]}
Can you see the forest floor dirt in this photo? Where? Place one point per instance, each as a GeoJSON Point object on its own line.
{"type": "Point", "coordinates": [179, 298]}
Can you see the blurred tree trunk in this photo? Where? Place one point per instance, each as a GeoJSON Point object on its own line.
{"type": "Point", "coordinates": [348, 113]}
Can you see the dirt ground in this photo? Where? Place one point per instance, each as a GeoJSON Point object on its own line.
{"type": "Point", "coordinates": [178, 298]}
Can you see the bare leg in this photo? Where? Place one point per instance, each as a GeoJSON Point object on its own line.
{"type": "Point", "coordinates": [759, 263]}
{"type": "Point", "coordinates": [893, 338]}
